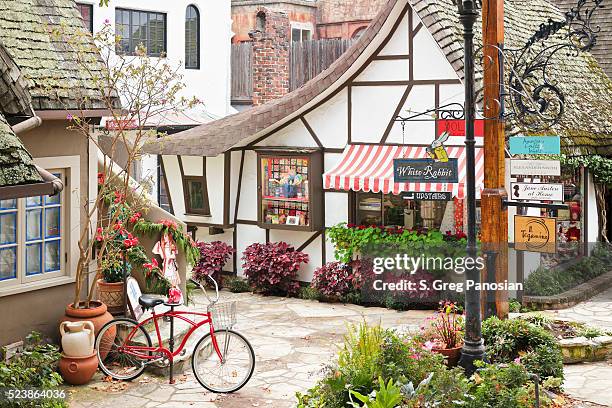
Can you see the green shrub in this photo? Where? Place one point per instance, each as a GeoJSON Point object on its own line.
{"type": "Point", "coordinates": [237, 285]}
{"type": "Point", "coordinates": [309, 293]}
{"type": "Point", "coordinates": [35, 367]}
{"type": "Point", "coordinates": [518, 340]}
{"type": "Point", "coordinates": [387, 396]}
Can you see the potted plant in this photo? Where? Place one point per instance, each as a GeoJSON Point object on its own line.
{"type": "Point", "coordinates": [213, 257]}
{"type": "Point", "coordinates": [446, 332]}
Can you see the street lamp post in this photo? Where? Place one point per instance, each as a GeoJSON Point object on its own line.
{"type": "Point", "coordinates": [473, 348]}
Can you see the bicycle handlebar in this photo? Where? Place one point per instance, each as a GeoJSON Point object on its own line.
{"type": "Point", "coordinates": [204, 289]}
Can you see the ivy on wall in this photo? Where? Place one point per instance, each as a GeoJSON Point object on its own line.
{"type": "Point", "coordinates": [600, 167]}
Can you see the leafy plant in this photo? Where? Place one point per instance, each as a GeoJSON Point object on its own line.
{"type": "Point", "coordinates": [35, 367]}
{"type": "Point", "coordinates": [237, 285]}
{"type": "Point", "coordinates": [272, 268]}
{"type": "Point", "coordinates": [387, 396]}
{"type": "Point", "coordinates": [516, 340]}
{"type": "Point", "coordinates": [334, 279]}
{"type": "Point", "coordinates": [447, 326]}
{"type": "Point", "coordinates": [309, 293]}
{"type": "Point", "coordinates": [213, 257]}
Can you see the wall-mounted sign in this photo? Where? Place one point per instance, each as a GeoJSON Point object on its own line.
{"type": "Point", "coordinates": [535, 234]}
{"type": "Point", "coordinates": [536, 191]}
{"type": "Point", "coordinates": [535, 168]}
{"type": "Point", "coordinates": [427, 195]}
{"type": "Point", "coordinates": [535, 145]}
{"type": "Point", "coordinates": [425, 170]}
{"type": "Point", "coordinates": [456, 127]}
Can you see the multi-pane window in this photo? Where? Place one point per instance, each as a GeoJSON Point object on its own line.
{"type": "Point", "coordinates": [196, 195]}
{"type": "Point", "coordinates": [163, 195]}
{"type": "Point", "coordinates": [192, 38]}
{"type": "Point", "coordinates": [300, 34]}
{"type": "Point", "coordinates": [31, 237]}
{"type": "Point", "coordinates": [140, 28]}
{"type": "Point", "coordinates": [87, 14]}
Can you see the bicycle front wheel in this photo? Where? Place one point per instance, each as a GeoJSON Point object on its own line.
{"type": "Point", "coordinates": [230, 373]}
{"type": "Point", "coordinates": [113, 336]}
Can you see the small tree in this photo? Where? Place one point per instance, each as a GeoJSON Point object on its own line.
{"type": "Point", "coordinates": [148, 88]}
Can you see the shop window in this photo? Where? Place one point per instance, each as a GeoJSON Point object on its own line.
{"type": "Point", "coordinates": [290, 191]}
{"type": "Point", "coordinates": [393, 210]}
{"type": "Point", "coordinates": [136, 27]}
{"type": "Point", "coordinates": [196, 195]}
{"type": "Point", "coordinates": [32, 238]}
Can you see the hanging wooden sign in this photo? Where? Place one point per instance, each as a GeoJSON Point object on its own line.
{"type": "Point", "coordinates": [535, 234]}
{"type": "Point", "coordinates": [535, 145]}
{"type": "Point", "coordinates": [535, 167]}
{"type": "Point", "coordinates": [536, 191]}
{"type": "Point", "coordinates": [425, 170]}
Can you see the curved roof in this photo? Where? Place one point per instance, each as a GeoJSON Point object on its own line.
{"type": "Point", "coordinates": [216, 137]}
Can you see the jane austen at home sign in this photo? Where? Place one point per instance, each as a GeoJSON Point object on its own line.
{"type": "Point", "coordinates": [425, 170]}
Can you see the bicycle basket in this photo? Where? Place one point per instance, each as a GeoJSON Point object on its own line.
{"type": "Point", "coordinates": [223, 315]}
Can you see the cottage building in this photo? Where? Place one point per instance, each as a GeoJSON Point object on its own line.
{"type": "Point", "coordinates": [323, 154]}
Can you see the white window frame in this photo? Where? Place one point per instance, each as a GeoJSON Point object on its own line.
{"type": "Point", "coordinates": [302, 27]}
{"type": "Point", "coordinates": [69, 166]}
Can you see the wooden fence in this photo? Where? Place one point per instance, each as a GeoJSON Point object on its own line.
{"type": "Point", "coordinates": [309, 58]}
{"type": "Point", "coordinates": [242, 71]}
{"type": "Point", "coordinates": [306, 60]}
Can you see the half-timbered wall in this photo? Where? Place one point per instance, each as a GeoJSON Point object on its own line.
{"type": "Point", "coordinates": [402, 71]}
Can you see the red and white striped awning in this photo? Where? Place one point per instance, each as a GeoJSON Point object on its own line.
{"type": "Point", "coordinates": [370, 168]}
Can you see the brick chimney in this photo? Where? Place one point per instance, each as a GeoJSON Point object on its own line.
{"type": "Point", "coordinates": [271, 40]}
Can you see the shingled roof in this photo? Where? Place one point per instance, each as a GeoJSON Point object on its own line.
{"type": "Point", "coordinates": [16, 164]}
{"type": "Point", "coordinates": [52, 75]}
{"type": "Point", "coordinates": [585, 126]}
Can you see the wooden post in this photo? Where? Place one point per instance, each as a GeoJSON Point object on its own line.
{"type": "Point", "coordinates": [494, 227]}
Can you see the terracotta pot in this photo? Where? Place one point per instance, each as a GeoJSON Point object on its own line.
{"type": "Point", "coordinates": [97, 314]}
{"type": "Point", "coordinates": [111, 294]}
{"type": "Point", "coordinates": [451, 355]}
{"type": "Point", "coordinates": [78, 370]}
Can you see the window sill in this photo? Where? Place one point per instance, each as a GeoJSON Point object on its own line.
{"type": "Point", "coordinates": [37, 285]}
{"type": "Point", "coordinates": [192, 214]}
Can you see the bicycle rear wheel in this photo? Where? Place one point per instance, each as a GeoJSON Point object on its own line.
{"type": "Point", "coordinates": [231, 373]}
{"type": "Point", "coordinates": [114, 362]}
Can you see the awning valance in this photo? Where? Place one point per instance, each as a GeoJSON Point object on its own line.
{"type": "Point", "coordinates": [370, 168]}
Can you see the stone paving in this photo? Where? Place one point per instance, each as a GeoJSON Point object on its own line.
{"type": "Point", "coordinates": [293, 339]}
{"type": "Point", "coordinates": [590, 381]}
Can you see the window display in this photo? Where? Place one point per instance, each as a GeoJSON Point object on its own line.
{"type": "Point", "coordinates": [286, 187]}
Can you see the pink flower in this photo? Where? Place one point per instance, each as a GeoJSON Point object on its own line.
{"type": "Point", "coordinates": [428, 345]}
{"type": "Point", "coordinates": [106, 21]}
{"type": "Point", "coordinates": [69, 116]}
{"type": "Point", "coordinates": [517, 360]}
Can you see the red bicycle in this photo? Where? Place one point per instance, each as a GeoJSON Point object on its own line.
{"type": "Point", "coordinates": [223, 360]}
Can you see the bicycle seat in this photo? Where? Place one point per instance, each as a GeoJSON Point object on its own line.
{"type": "Point", "coordinates": [149, 302]}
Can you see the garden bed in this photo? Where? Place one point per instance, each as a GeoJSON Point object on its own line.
{"type": "Point", "coordinates": [570, 297]}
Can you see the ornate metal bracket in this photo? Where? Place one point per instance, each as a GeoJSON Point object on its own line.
{"type": "Point", "coordinates": [535, 100]}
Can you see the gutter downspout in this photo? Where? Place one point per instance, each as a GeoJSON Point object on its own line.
{"type": "Point", "coordinates": [29, 124]}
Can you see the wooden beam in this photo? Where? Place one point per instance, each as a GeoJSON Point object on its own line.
{"type": "Point", "coordinates": [494, 226]}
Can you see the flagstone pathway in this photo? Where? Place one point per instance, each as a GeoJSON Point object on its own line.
{"type": "Point", "coordinates": [590, 381]}
{"type": "Point", "coordinates": [293, 339]}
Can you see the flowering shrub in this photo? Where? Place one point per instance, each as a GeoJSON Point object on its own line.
{"type": "Point", "coordinates": [349, 239]}
{"type": "Point", "coordinates": [334, 279]}
{"type": "Point", "coordinates": [272, 267]}
{"type": "Point", "coordinates": [213, 257]}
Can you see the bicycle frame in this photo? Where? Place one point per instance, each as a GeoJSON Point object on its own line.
{"type": "Point", "coordinates": [137, 350]}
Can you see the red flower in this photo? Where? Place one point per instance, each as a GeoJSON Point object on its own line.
{"type": "Point", "coordinates": [117, 226]}
{"type": "Point", "coordinates": [101, 178]}
{"type": "Point", "coordinates": [134, 218]}
{"type": "Point", "coordinates": [151, 265]}
{"type": "Point", "coordinates": [169, 224]}
{"type": "Point", "coordinates": [99, 236]}
{"type": "Point", "coordinates": [118, 197]}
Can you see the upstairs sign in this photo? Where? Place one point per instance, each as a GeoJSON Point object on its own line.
{"type": "Point", "coordinates": [425, 170]}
